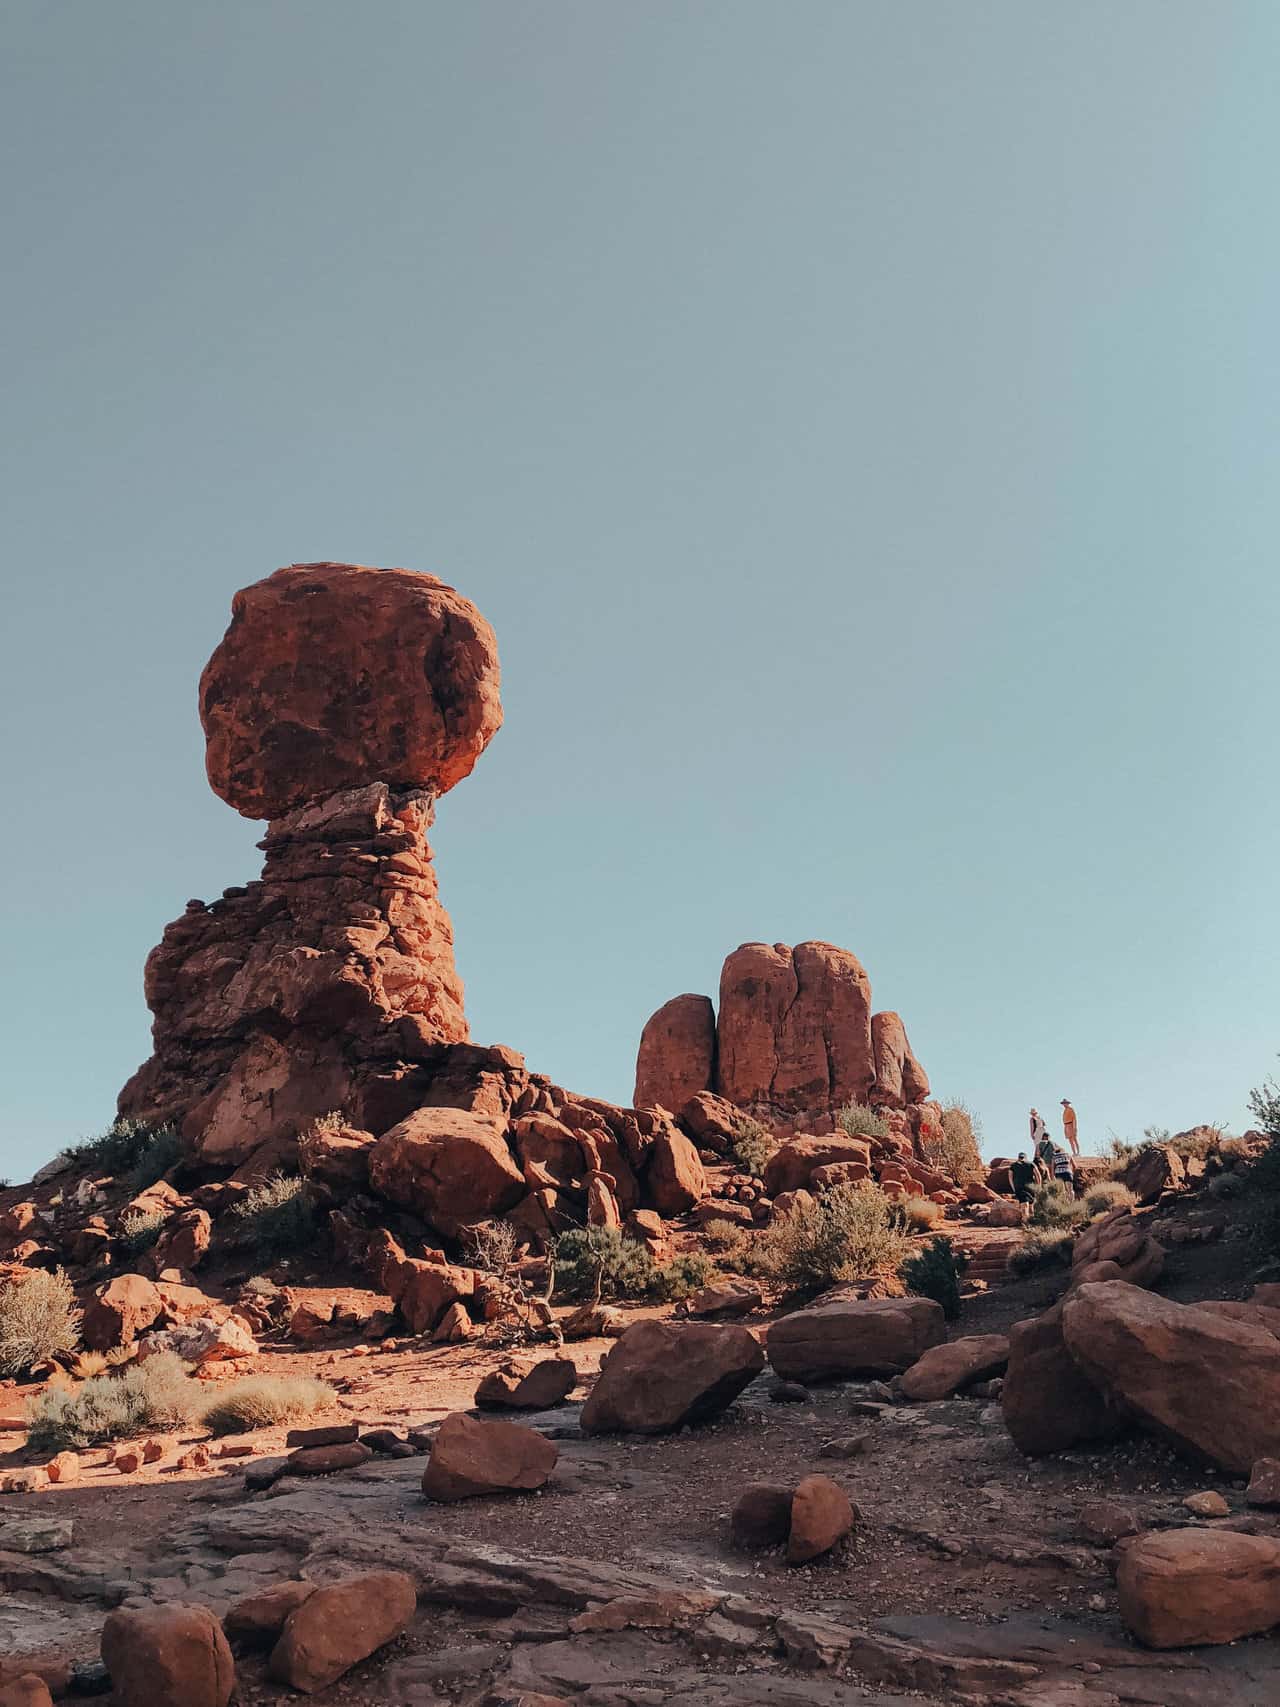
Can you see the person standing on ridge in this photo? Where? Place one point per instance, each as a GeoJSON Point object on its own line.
{"type": "Point", "coordinates": [1069, 1127]}
{"type": "Point", "coordinates": [1024, 1177]}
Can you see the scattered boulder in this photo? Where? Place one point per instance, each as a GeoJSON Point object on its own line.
{"type": "Point", "coordinates": [1208, 1503]}
{"type": "Point", "coordinates": [1264, 1484]}
{"type": "Point", "coordinates": [871, 1336]}
{"type": "Point", "coordinates": [1119, 1239]}
{"type": "Point", "coordinates": [331, 1434]}
{"type": "Point", "coordinates": [64, 1467]}
{"type": "Point", "coordinates": [124, 1308]}
{"type": "Point", "coordinates": [663, 1374]}
{"type": "Point", "coordinates": [762, 1515]}
{"type": "Point", "coordinates": [821, 1515]}
{"type": "Point", "coordinates": [1154, 1170]}
{"type": "Point", "coordinates": [527, 1387]}
{"type": "Point", "coordinates": [204, 1340]}
{"type": "Point", "coordinates": [1002, 1213]}
{"type": "Point", "coordinates": [172, 1655]}
{"type": "Point", "coordinates": [1104, 1522]}
{"type": "Point", "coordinates": [257, 1620]}
{"type": "Point", "coordinates": [1207, 1383]}
{"type": "Point", "coordinates": [711, 1121]}
{"type": "Point", "coordinates": [324, 1460]}
{"type": "Point", "coordinates": [1049, 1404]}
{"type": "Point", "coordinates": [340, 1624]}
{"type": "Point", "coordinates": [184, 1243]}
{"type": "Point", "coordinates": [336, 1158]}
{"type": "Point", "coordinates": [725, 1298]}
{"type": "Point", "coordinates": [793, 1164]}
{"type": "Point", "coordinates": [676, 1178]}
{"type": "Point", "coordinates": [29, 1690]}
{"type": "Point", "coordinates": [1185, 1588]}
{"type": "Point", "coordinates": [946, 1369]}
{"type": "Point", "coordinates": [423, 1291]}
{"type": "Point", "coordinates": [453, 1326]}
{"type": "Point", "coordinates": [471, 1458]}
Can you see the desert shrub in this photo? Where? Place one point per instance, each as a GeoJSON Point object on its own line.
{"type": "Point", "coordinates": [1107, 1195]}
{"type": "Point", "coordinates": [591, 1257]}
{"type": "Point", "coordinates": [38, 1319]}
{"type": "Point", "coordinates": [275, 1218]}
{"type": "Point", "coordinates": [959, 1150]}
{"type": "Point", "coordinates": [848, 1233]}
{"type": "Point", "coordinates": [1041, 1248]}
{"type": "Point", "coordinates": [492, 1246]}
{"type": "Point", "coordinates": [753, 1144]}
{"type": "Point", "coordinates": [859, 1121]}
{"type": "Point", "coordinates": [140, 1228]}
{"type": "Point", "coordinates": [334, 1121]}
{"type": "Point", "coordinates": [156, 1394]}
{"type": "Point", "coordinates": [684, 1274]}
{"type": "Point", "coordinates": [1226, 1186]}
{"type": "Point", "coordinates": [935, 1273]}
{"type": "Point", "coordinates": [258, 1401]}
{"type": "Point", "coordinates": [919, 1214]}
{"type": "Point", "coordinates": [164, 1150]}
{"type": "Point", "coordinates": [1054, 1206]}
{"type": "Point", "coordinates": [122, 1148]}
{"type": "Point", "coordinates": [734, 1245]}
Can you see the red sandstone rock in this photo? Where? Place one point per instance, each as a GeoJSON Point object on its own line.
{"type": "Point", "coordinates": [423, 1291]}
{"type": "Point", "coordinates": [184, 1243]}
{"type": "Point", "coordinates": [530, 1387]}
{"type": "Point", "coordinates": [332, 674]}
{"type": "Point", "coordinates": [821, 1515]}
{"type": "Point", "coordinates": [1193, 1587]}
{"type": "Point", "coordinates": [899, 1077]}
{"type": "Point", "coordinates": [469, 1458]}
{"type": "Point", "coordinates": [793, 1164]}
{"type": "Point", "coordinates": [29, 1690]}
{"type": "Point", "coordinates": [762, 1515]}
{"type": "Point", "coordinates": [448, 1166]}
{"type": "Point", "coordinates": [257, 1620]}
{"type": "Point", "coordinates": [677, 1053]}
{"type": "Point", "coordinates": [124, 1308]}
{"type": "Point", "coordinates": [675, 1179]}
{"type": "Point", "coordinates": [946, 1369]}
{"type": "Point", "coordinates": [336, 1158]}
{"type": "Point", "coordinates": [167, 1656]}
{"type": "Point", "coordinates": [794, 1030]}
{"type": "Point", "coordinates": [1049, 1404]}
{"type": "Point", "coordinates": [872, 1336]}
{"type": "Point", "coordinates": [1206, 1382]}
{"type": "Point", "coordinates": [339, 1625]}
{"type": "Point", "coordinates": [711, 1121]}
{"type": "Point", "coordinates": [1120, 1239]}
{"type": "Point", "coordinates": [663, 1374]}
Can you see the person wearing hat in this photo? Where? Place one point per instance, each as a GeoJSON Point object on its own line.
{"type": "Point", "coordinates": [1069, 1127]}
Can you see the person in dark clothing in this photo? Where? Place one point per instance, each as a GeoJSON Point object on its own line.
{"type": "Point", "coordinates": [1024, 1176]}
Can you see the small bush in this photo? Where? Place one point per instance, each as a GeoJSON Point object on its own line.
{"type": "Point", "coordinates": [140, 1229]}
{"type": "Point", "coordinates": [39, 1319]}
{"type": "Point", "coordinates": [753, 1144]}
{"type": "Point", "coordinates": [156, 1394]}
{"type": "Point", "coordinates": [275, 1218]}
{"type": "Point", "coordinates": [920, 1214]}
{"type": "Point", "coordinates": [1107, 1195]}
{"type": "Point", "coordinates": [163, 1151]}
{"type": "Point", "coordinates": [848, 1233]}
{"type": "Point", "coordinates": [935, 1273]}
{"type": "Point", "coordinates": [1227, 1186]}
{"type": "Point", "coordinates": [859, 1121]}
{"type": "Point", "coordinates": [959, 1151]}
{"type": "Point", "coordinates": [681, 1276]}
{"type": "Point", "coordinates": [261, 1400]}
{"type": "Point", "coordinates": [1264, 1105]}
{"type": "Point", "coordinates": [492, 1246]}
{"type": "Point", "coordinates": [1054, 1206]}
{"type": "Point", "coordinates": [1041, 1249]}
{"type": "Point", "coordinates": [334, 1121]}
{"type": "Point", "coordinates": [121, 1149]}
{"type": "Point", "coordinates": [591, 1258]}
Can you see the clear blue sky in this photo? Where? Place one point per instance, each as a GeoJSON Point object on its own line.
{"type": "Point", "coordinates": [858, 421]}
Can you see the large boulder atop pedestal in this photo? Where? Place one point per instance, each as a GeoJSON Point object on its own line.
{"type": "Point", "coordinates": [1206, 1382]}
{"type": "Point", "coordinates": [450, 1167]}
{"type": "Point", "coordinates": [677, 1053]}
{"type": "Point", "coordinates": [332, 675]}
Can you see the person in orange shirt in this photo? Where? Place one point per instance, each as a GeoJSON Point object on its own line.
{"type": "Point", "coordinates": [1069, 1127]}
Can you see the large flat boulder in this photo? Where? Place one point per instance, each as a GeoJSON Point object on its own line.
{"type": "Point", "coordinates": [1207, 1383]}
{"type": "Point", "coordinates": [1185, 1588]}
{"type": "Point", "coordinates": [470, 1458]}
{"type": "Point", "coordinates": [855, 1336]}
{"type": "Point", "coordinates": [447, 1165]}
{"type": "Point", "coordinates": [663, 1374]}
{"type": "Point", "coordinates": [793, 1164]}
{"type": "Point", "coordinates": [1049, 1405]}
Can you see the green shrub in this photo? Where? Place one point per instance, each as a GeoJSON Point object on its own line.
{"type": "Point", "coordinates": [859, 1121]}
{"type": "Point", "coordinates": [1049, 1248]}
{"type": "Point", "coordinates": [1054, 1206]}
{"type": "Point", "coordinates": [156, 1394]}
{"type": "Point", "coordinates": [163, 1151]}
{"type": "Point", "coordinates": [588, 1258]}
{"type": "Point", "coordinates": [848, 1233]}
{"type": "Point", "coordinates": [140, 1228]}
{"type": "Point", "coordinates": [753, 1144]}
{"type": "Point", "coordinates": [125, 1147]}
{"type": "Point", "coordinates": [275, 1218]}
{"type": "Point", "coordinates": [39, 1319]}
{"type": "Point", "coordinates": [1264, 1105]}
{"type": "Point", "coordinates": [1107, 1195]}
{"type": "Point", "coordinates": [1227, 1186]}
{"type": "Point", "coordinates": [261, 1400]}
{"type": "Point", "coordinates": [919, 1214]}
{"type": "Point", "coordinates": [681, 1276]}
{"type": "Point", "coordinates": [959, 1151]}
{"type": "Point", "coordinates": [935, 1273]}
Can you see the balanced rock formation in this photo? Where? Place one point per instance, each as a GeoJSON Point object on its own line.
{"type": "Point", "coordinates": [794, 1042]}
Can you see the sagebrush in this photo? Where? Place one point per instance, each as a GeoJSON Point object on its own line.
{"type": "Point", "coordinates": [1054, 1206]}
{"type": "Point", "coordinates": [753, 1144]}
{"type": "Point", "coordinates": [1041, 1248]}
{"type": "Point", "coordinates": [848, 1233]}
{"type": "Point", "coordinates": [935, 1273]}
{"type": "Point", "coordinates": [39, 1319]}
{"type": "Point", "coordinates": [140, 1228]}
{"type": "Point", "coordinates": [145, 1396]}
{"type": "Point", "coordinates": [1107, 1195]}
{"type": "Point", "coordinates": [858, 1121]}
{"type": "Point", "coordinates": [961, 1145]}
{"type": "Point", "coordinates": [130, 1150]}
{"type": "Point", "coordinates": [920, 1214]}
{"type": "Point", "coordinates": [602, 1262]}
{"type": "Point", "coordinates": [258, 1401]}
{"type": "Point", "coordinates": [276, 1218]}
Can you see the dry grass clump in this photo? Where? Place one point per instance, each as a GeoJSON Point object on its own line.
{"type": "Point", "coordinates": [960, 1147]}
{"type": "Point", "coordinates": [1107, 1195]}
{"type": "Point", "coordinates": [921, 1214]}
{"type": "Point", "coordinates": [140, 1229]}
{"type": "Point", "coordinates": [276, 1218]}
{"type": "Point", "coordinates": [261, 1400]}
{"type": "Point", "coordinates": [848, 1233]}
{"type": "Point", "coordinates": [39, 1319]}
{"type": "Point", "coordinates": [856, 1120]}
{"type": "Point", "coordinates": [753, 1144]}
{"type": "Point", "coordinates": [156, 1394]}
{"type": "Point", "coordinates": [1041, 1248]}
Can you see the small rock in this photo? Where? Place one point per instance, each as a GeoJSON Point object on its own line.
{"type": "Point", "coordinates": [29, 1690]}
{"type": "Point", "coordinates": [1207, 1504]}
{"type": "Point", "coordinates": [1264, 1483]}
{"type": "Point", "coordinates": [521, 1386]}
{"type": "Point", "coordinates": [167, 1656]}
{"type": "Point", "coordinates": [469, 1458]}
{"type": "Point", "coordinates": [322, 1460]}
{"type": "Point", "coordinates": [821, 1515]}
{"type": "Point", "coordinates": [65, 1467]}
{"type": "Point", "coordinates": [339, 1625]}
{"type": "Point", "coordinates": [789, 1393]}
{"type": "Point", "coordinates": [257, 1620]}
{"type": "Point", "coordinates": [846, 1446]}
{"type": "Point", "coordinates": [337, 1434]}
